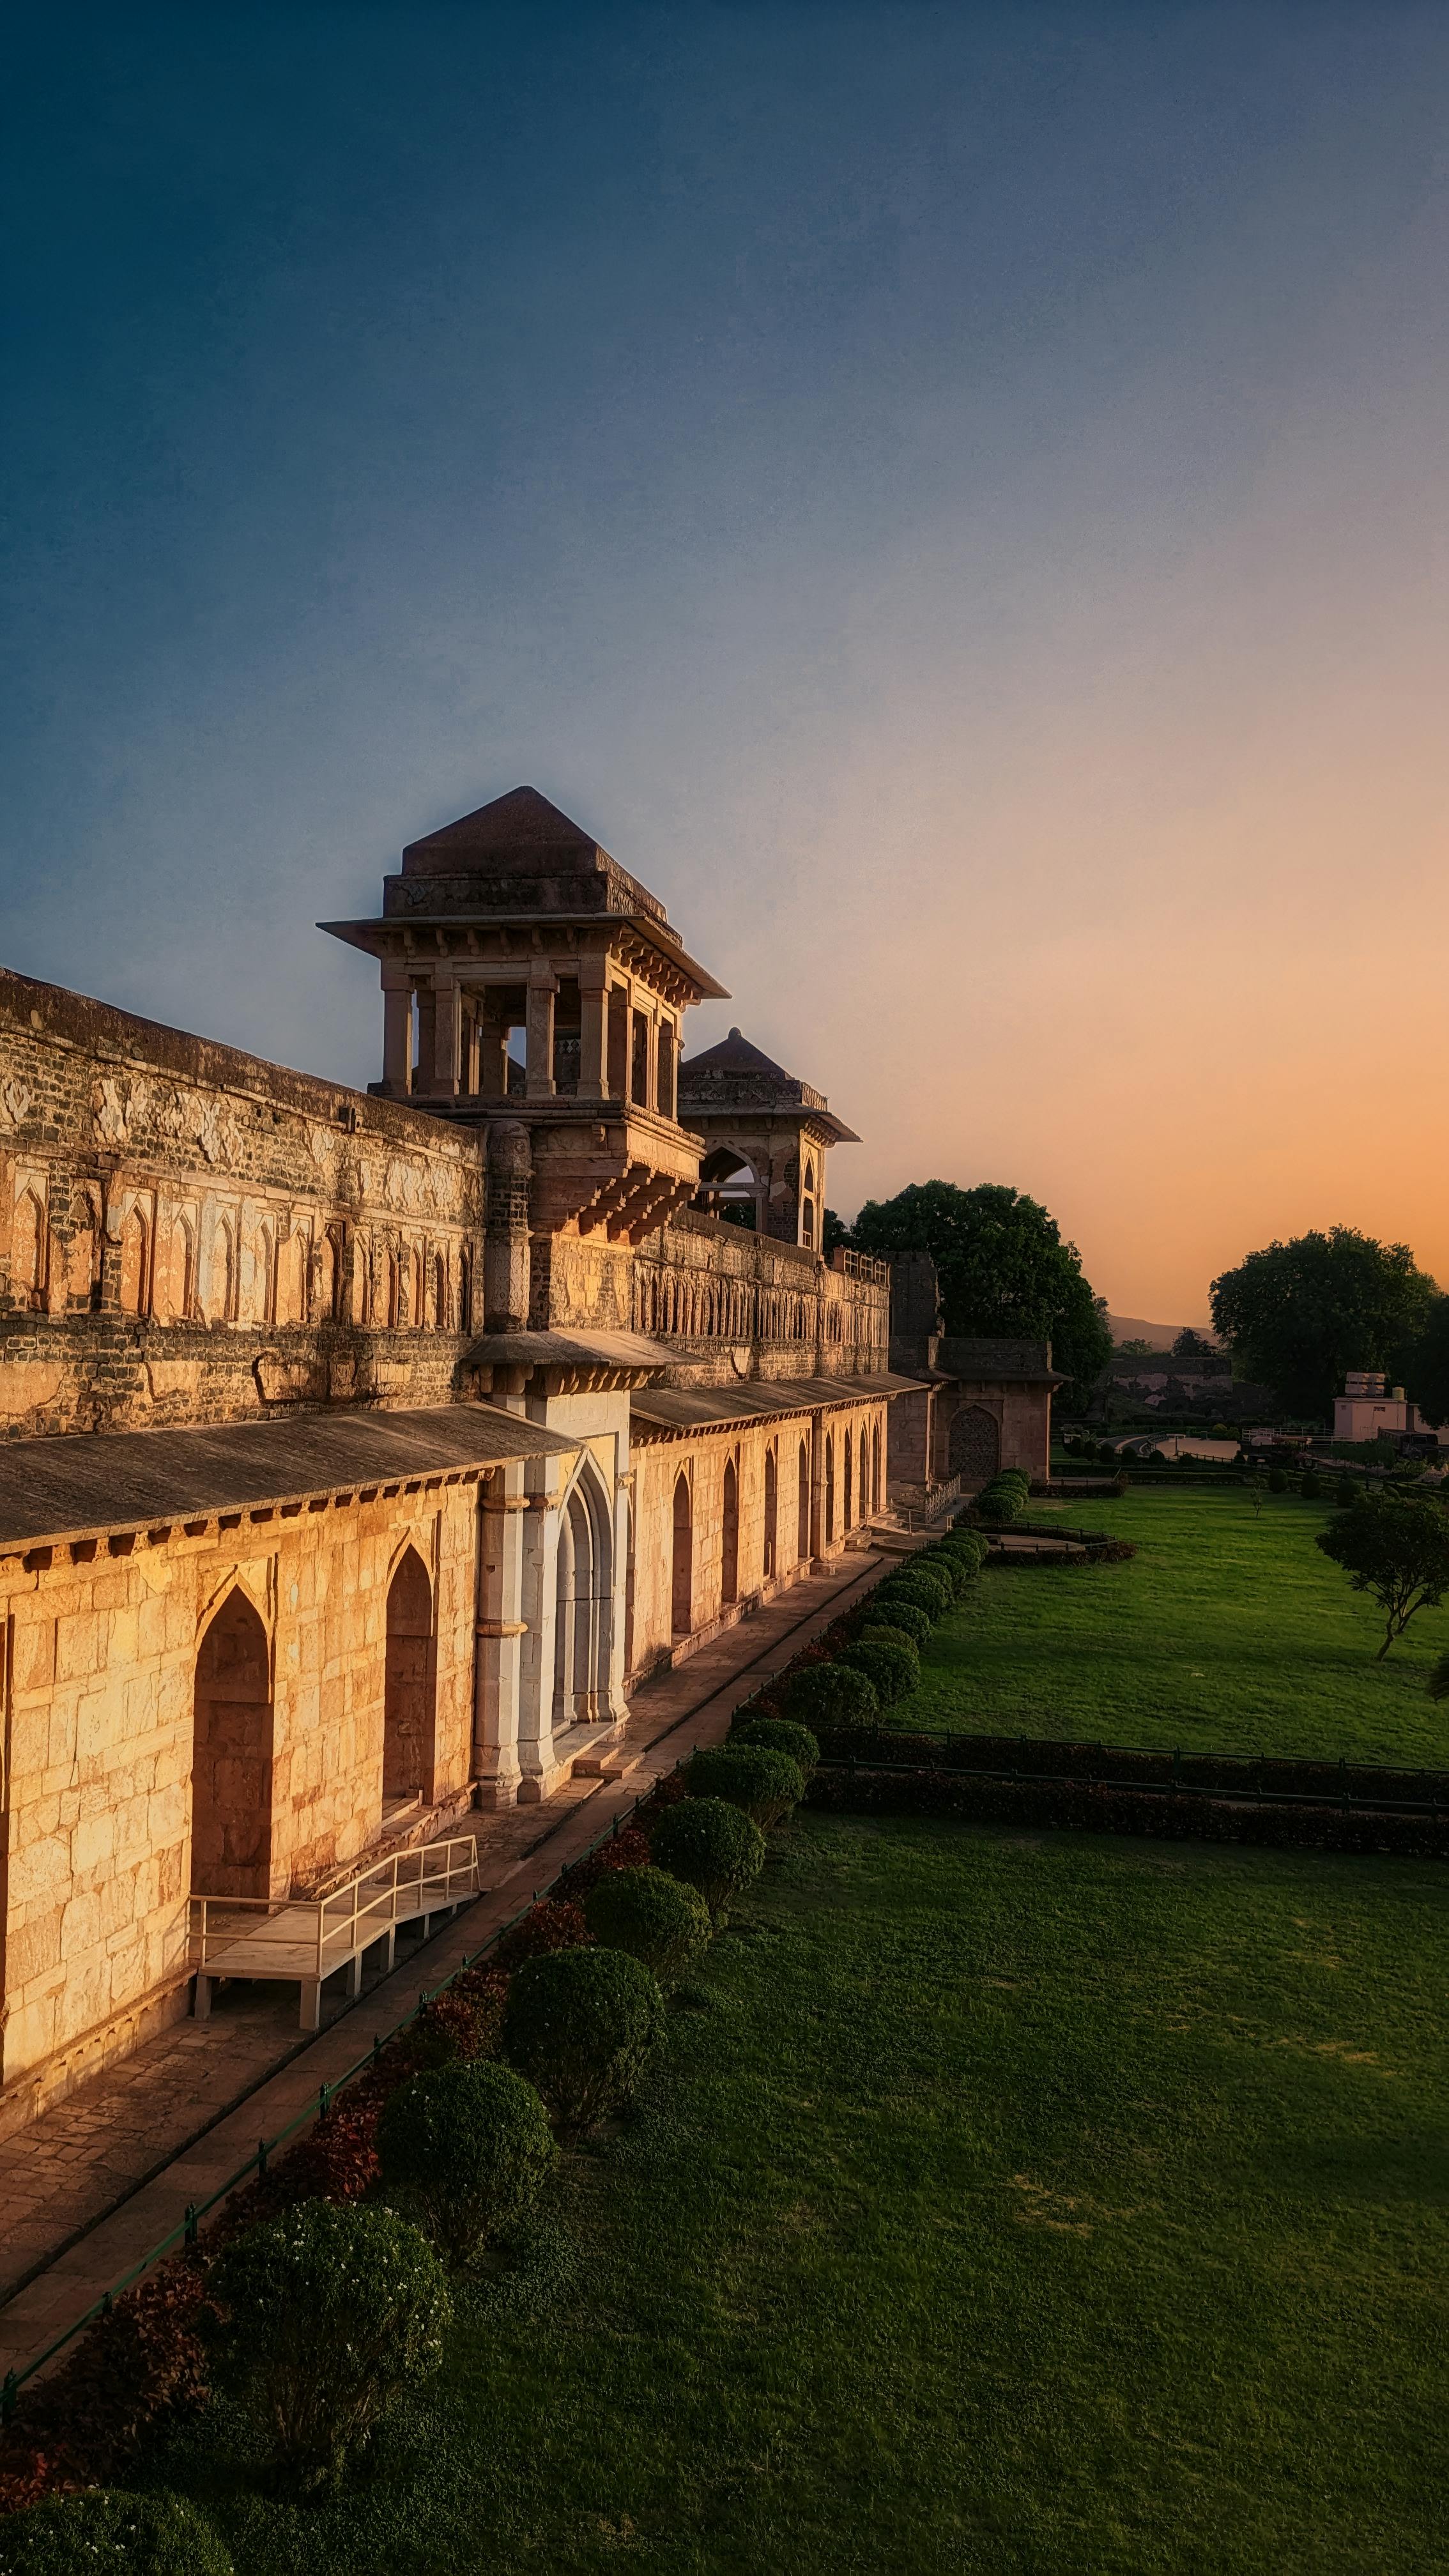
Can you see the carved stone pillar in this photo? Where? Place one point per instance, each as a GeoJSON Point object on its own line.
{"type": "Point", "coordinates": [505, 1244]}
{"type": "Point", "coordinates": [593, 1028]}
{"type": "Point", "coordinates": [542, 986]}
{"type": "Point", "coordinates": [397, 1030]}
{"type": "Point", "coordinates": [448, 1032]}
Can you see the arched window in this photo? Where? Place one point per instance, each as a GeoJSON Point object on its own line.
{"type": "Point", "coordinates": [80, 1262]}
{"type": "Point", "coordinates": [802, 1513]}
{"type": "Point", "coordinates": [27, 1251]}
{"type": "Point", "coordinates": [771, 1512]}
{"type": "Point", "coordinates": [730, 1536]}
{"type": "Point", "coordinates": [231, 1766]}
{"type": "Point", "coordinates": [407, 1722]}
{"type": "Point", "coordinates": [135, 1247]}
{"type": "Point", "coordinates": [682, 1577]}
{"type": "Point", "coordinates": [583, 1607]}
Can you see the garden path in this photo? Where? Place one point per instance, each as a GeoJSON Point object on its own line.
{"type": "Point", "coordinates": [93, 2184]}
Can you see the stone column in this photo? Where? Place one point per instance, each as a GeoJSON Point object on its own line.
{"type": "Point", "coordinates": [817, 1489]}
{"type": "Point", "coordinates": [397, 1030]}
{"type": "Point", "coordinates": [593, 1028]}
{"type": "Point", "coordinates": [471, 1051]}
{"type": "Point", "coordinates": [615, 1704]}
{"type": "Point", "coordinates": [539, 1571]}
{"type": "Point", "coordinates": [500, 1632]}
{"type": "Point", "coordinates": [427, 1036]}
{"type": "Point", "coordinates": [448, 1031]}
{"type": "Point", "coordinates": [542, 985]}
{"type": "Point", "coordinates": [505, 1240]}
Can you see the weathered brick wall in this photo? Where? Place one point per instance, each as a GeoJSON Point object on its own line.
{"type": "Point", "coordinates": [102, 1646]}
{"type": "Point", "coordinates": [190, 1234]}
{"type": "Point", "coordinates": [740, 1305]}
{"type": "Point", "coordinates": [702, 1460]}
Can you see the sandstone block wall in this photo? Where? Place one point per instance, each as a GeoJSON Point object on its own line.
{"type": "Point", "coordinates": [101, 1652]}
{"type": "Point", "coordinates": [739, 1304]}
{"type": "Point", "coordinates": [190, 1234]}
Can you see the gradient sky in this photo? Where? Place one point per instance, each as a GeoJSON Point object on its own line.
{"type": "Point", "coordinates": [955, 498]}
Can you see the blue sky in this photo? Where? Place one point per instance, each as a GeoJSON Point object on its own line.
{"type": "Point", "coordinates": [953, 497]}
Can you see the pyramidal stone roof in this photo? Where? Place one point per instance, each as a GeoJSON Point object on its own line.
{"type": "Point", "coordinates": [519, 826]}
{"type": "Point", "coordinates": [736, 1075]}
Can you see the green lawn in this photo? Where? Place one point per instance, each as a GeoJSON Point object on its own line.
{"type": "Point", "coordinates": [1223, 1634]}
{"type": "Point", "coordinates": [1037, 2205]}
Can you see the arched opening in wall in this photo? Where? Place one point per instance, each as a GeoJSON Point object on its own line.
{"type": "Point", "coordinates": [391, 1288]}
{"type": "Point", "coordinates": [974, 1452]}
{"type": "Point", "coordinates": [465, 1290]}
{"type": "Point", "coordinates": [583, 1607]}
{"type": "Point", "coordinates": [27, 1251]}
{"type": "Point", "coordinates": [629, 1587]}
{"type": "Point", "coordinates": [829, 1488]}
{"type": "Point", "coordinates": [682, 1571]}
{"type": "Point", "coordinates": [184, 1275]}
{"type": "Point", "coordinates": [231, 1761]}
{"type": "Point", "coordinates": [81, 1279]}
{"type": "Point", "coordinates": [409, 1689]}
{"type": "Point", "coordinates": [802, 1509]}
{"type": "Point", "coordinates": [264, 1278]}
{"type": "Point", "coordinates": [729, 1187]}
{"type": "Point", "coordinates": [135, 1247]}
{"type": "Point", "coordinates": [875, 1468]}
{"type": "Point", "coordinates": [772, 1511]}
{"type": "Point", "coordinates": [441, 1316]}
{"type": "Point", "coordinates": [222, 1285]}
{"type": "Point", "coordinates": [327, 1279]}
{"type": "Point", "coordinates": [846, 1494]}
{"type": "Point", "coordinates": [729, 1572]}
{"type": "Point", "coordinates": [416, 1290]}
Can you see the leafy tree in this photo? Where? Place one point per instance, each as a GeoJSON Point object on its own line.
{"type": "Point", "coordinates": [1003, 1266]}
{"type": "Point", "coordinates": [1135, 1349]}
{"type": "Point", "coordinates": [1299, 1314]}
{"type": "Point", "coordinates": [1396, 1550]}
{"type": "Point", "coordinates": [1190, 1345]}
{"type": "Point", "coordinates": [1428, 1371]}
{"type": "Point", "coordinates": [833, 1231]}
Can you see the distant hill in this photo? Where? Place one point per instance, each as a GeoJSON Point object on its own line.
{"type": "Point", "coordinates": [1132, 1328]}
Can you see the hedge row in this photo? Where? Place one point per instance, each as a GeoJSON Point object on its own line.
{"type": "Point", "coordinates": [1081, 1805]}
{"type": "Point", "coordinates": [1135, 1766]}
{"type": "Point", "coordinates": [323, 2287]}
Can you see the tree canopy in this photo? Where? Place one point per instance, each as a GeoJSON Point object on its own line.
{"type": "Point", "coordinates": [1428, 1378]}
{"type": "Point", "coordinates": [1398, 1551]}
{"type": "Point", "coordinates": [1299, 1314]}
{"type": "Point", "coordinates": [1004, 1269]}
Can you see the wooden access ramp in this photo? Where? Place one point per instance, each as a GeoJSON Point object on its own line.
{"type": "Point", "coordinates": [301, 1941]}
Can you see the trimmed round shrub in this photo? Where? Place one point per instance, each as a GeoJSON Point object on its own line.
{"type": "Point", "coordinates": [767, 1785]}
{"type": "Point", "coordinates": [329, 2313]}
{"type": "Point", "coordinates": [929, 1590]}
{"type": "Point", "coordinates": [652, 1915]}
{"type": "Point", "coordinates": [783, 1735]}
{"type": "Point", "coordinates": [471, 2147]}
{"type": "Point", "coordinates": [830, 1695]}
{"type": "Point", "coordinates": [106, 2528]}
{"type": "Point", "coordinates": [1000, 1501]}
{"type": "Point", "coordinates": [1311, 1486]}
{"type": "Point", "coordinates": [894, 1611]}
{"type": "Point", "coordinates": [881, 1633]}
{"type": "Point", "coordinates": [580, 2024]}
{"type": "Point", "coordinates": [968, 1548]}
{"type": "Point", "coordinates": [712, 1846]}
{"type": "Point", "coordinates": [1346, 1489]}
{"type": "Point", "coordinates": [944, 1562]}
{"type": "Point", "coordinates": [1277, 1481]}
{"type": "Point", "coordinates": [894, 1669]}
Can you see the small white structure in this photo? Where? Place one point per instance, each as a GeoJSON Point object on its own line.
{"type": "Point", "coordinates": [1365, 1408]}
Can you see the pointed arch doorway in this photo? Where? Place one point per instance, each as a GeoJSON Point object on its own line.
{"type": "Point", "coordinates": [409, 1692]}
{"type": "Point", "coordinates": [231, 1756]}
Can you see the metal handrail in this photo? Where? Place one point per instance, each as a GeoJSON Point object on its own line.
{"type": "Point", "coordinates": [256, 2164]}
{"type": "Point", "coordinates": [435, 1875]}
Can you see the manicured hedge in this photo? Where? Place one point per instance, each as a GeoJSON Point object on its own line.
{"type": "Point", "coordinates": [895, 1669]}
{"type": "Point", "coordinates": [1226, 1774]}
{"type": "Point", "coordinates": [829, 1694]}
{"type": "Point", "coordinates": [580, 2024]}
{"type": "Point", "coordinates": [469, 2147]}
{"type": "Point", "coordinates": [893, 1610]}
{"type": "Point", "coordinates": [765, 1784]}
{"type": "Point", "coordinates": [132, 2535]}
{"type": "Point", "coordinates": [712, 1846]}
{"type": "Point", "coordinates": [782, 1735]}
{"type": "Point", "coordinates": [1094, 1808]}
{"type": "Point", "coordinates": [653, 1915]}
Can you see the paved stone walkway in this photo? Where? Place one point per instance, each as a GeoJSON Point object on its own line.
{"type": "Point", "coordinates": [91, 2186]}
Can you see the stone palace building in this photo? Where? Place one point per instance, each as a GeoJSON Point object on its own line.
{"type": "Point", "coordinates": [363, 1450]}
